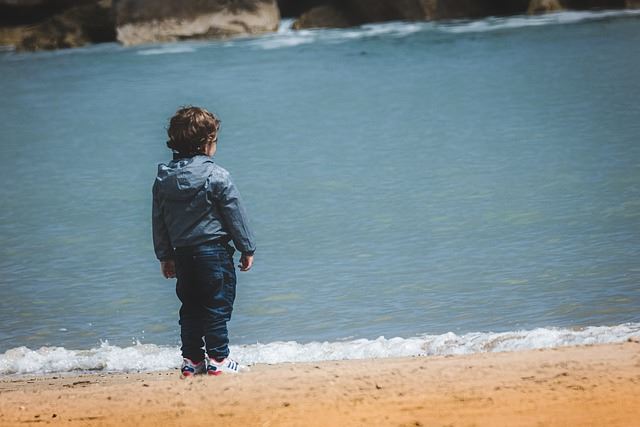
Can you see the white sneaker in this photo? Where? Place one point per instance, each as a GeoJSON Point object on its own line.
{"type": "Point", "coordinates": [227, 365]}
{"type": "Point", "coordinates": [190, 369]}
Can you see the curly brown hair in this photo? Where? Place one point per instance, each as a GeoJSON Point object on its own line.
{"type": "Point", "coordinates": [191, 129]}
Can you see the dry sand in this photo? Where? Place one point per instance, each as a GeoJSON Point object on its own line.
{"type": "Point", "coordinates": [574, 386]}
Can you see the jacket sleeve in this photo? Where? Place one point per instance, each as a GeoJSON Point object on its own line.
{"type": "Point", "coordinates": [234, 215]}
{"type": "Point", "coordinates": [161, 241]}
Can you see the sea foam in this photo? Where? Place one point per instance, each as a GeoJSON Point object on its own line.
{"type": "Point", "coordinates": [151, 357]}
{"type": "Point", "coordinates": [167, 49]}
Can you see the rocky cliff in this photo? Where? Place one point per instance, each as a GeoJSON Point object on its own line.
{"type": "Point", "coordinates": [345, 13]}
{"type": "Point", "coordinates": [55, 24]}
{"type": "Point", "coordinates": [145, 21]}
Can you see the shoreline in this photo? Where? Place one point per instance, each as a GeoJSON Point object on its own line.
{"type": "Point", "coordinates": [12, 38]}
{"type": "Point", "coordinates": [150, 357]}
{"type": "Point", "coordinates": [583, 385]}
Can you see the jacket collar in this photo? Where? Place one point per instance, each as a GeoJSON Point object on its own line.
{"type": "Point", "coordinates": [181, 156]}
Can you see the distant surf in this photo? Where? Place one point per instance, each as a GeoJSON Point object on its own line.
{"type": "Point", "coordinates": [286, 36]}
{"type": "Point", "coordinates": [151, 357]}
{"type": "Point", "coordinates": [167, 49]}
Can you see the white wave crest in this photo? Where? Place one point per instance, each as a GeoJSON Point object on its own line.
{"type": "Point", "coordinates": [286, 26]}
{"type": "Point", "coordinates": [167, 49]}
{"type": "Point", "coordinates": [287, 37]}
{"type": "Point", "coordinates": [569, 17]}
{"type": "Point", "coordinates": [432, 345]}
{"type": "Point", "coordinates": [151, 357]}
{"type": "Point", "coordinates": [140, 357]}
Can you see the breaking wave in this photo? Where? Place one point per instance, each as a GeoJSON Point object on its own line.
{"type": "Point", "coordinates": [167, 49]}
{"type": "Point", "coordinates": [287, 37]}
{"type": "Point", "coordinates": [151, 357]}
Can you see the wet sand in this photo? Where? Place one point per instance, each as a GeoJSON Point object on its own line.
{"type": "Point", "coordinates": [574, 386]}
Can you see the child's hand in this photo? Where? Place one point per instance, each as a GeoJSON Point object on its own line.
{"type": "Point", "coordinates": [168, 268]}
{"type": "Point", "coordinates": [246, 261]}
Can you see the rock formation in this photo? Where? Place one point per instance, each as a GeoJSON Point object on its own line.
{"type": "Point", "coordinates": [357, 12]}
{"type": "Point", "coordinates": [55, 24]}
{"type": "Point", "coordinates": [334, 13]}
{"type": "Point", "coordinates": [50, 24]}
{"type": "Point", "coordinates": [76, 26]}
{"type": "Point", "coordinates": [544, 6]}
{"type": "Point", "coordinates": [325, 16]}
{"type": "Point", "coordinates": [593, 4]}
{"type": "Point", "coordinates": [464, 9]}
{"type": "Point", "coordinates": [145, 21]}
{"type": "Point", "coordinates": [295, 8]}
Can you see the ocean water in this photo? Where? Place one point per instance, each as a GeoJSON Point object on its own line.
{"type": "Point", "coordinates": [416, 189]}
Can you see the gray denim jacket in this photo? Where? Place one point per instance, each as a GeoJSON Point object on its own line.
{"type": "Point", "coordinates": [194, 201]}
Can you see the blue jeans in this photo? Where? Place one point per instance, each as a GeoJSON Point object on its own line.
{"type": "Point", "coordinates": [206, 287]}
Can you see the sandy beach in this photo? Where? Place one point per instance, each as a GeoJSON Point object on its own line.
{"type": "Point", "coordinates": [573, 386]}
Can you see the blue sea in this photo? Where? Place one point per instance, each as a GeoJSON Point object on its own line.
{"type": "Point", "coordinates": [415, 189]}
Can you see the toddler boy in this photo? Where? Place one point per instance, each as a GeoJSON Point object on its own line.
{"type": "Point", "coordinates": [196, 212]}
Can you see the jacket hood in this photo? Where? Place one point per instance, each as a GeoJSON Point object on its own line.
{"type": "Point", "coordinates": [183, 178]}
